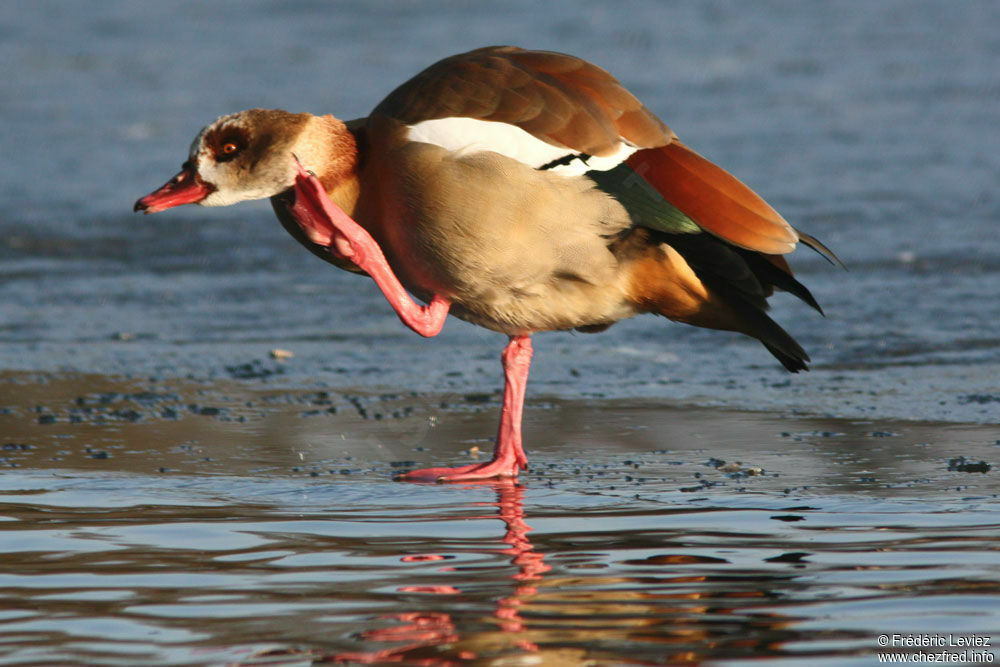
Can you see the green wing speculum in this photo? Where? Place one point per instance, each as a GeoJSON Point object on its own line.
{"type": "Point", "coordinates": [644, 204]}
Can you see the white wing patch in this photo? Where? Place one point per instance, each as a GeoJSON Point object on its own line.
{"type": "Point", "coordinates": [471, 135]}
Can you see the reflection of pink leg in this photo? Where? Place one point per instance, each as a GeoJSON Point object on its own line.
{"type": "Point", "coordinates": [508, 455]}
{"type": "Point", "coordinates": [422, 630]}
{"type": "Point", "coordinates": [324, 223]}
{"type": "Point", "coordinates": [429, 632]}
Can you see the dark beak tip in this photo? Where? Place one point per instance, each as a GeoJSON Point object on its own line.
{"type": "Point", "coordinates": [142, 207]}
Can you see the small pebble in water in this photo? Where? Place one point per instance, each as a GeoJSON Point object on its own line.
{"type": "Point", "coordinates": [962, 464]}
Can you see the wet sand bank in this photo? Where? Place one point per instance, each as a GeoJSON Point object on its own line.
{"type": "Point", "coordinates": [94, 422]}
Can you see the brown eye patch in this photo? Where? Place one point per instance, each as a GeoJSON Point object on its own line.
{"type": "Point", "coordinates": [227, 142]}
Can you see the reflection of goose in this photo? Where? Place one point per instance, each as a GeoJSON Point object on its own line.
{"type": "Point", "coordinates": [523, 191]}
{"type": "Point", "coordinates": [564, 620]}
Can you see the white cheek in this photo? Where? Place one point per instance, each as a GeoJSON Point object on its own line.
{"type": "Point", "coordinates": [224, 198]}
{"type": "Point", "coordinates": [231, 186]}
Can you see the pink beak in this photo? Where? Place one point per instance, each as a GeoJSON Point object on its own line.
{"type": "Point", "coordinates": [184, 188]}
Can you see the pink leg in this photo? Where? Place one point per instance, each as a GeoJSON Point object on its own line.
{"type": "Point", "coordinates": [324, 223]}
{"type": "Point", "coordinates": [508, 455]}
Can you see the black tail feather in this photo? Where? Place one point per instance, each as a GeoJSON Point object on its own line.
{"type": "Point", "coordinates": [793, 364]}
{"type": "Point", "coordinates": [768, 273]}
{"type": "Point", "coordinates": [818, 246]}
{"type": "Point", "coordinates": [777, 341]}
{"type": "Point", "coordinates": [744, 279]}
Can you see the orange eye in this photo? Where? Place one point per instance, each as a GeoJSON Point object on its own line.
{"type": "Point", "coordinates": [229, 148]}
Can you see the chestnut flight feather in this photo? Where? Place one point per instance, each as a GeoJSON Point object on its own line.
{"type": "Point", "coordinates": [523, 191]}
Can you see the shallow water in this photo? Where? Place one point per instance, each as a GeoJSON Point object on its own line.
{"type": "Point", "coordinates": [181, 569]}
{"type": "Point", "coordinates": [209, 523]}
{"type": "Point", "coordinates": [172, 494]}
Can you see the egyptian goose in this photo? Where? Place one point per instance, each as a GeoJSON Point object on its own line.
{"type": "Point", "coordinates": [522, 191]}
